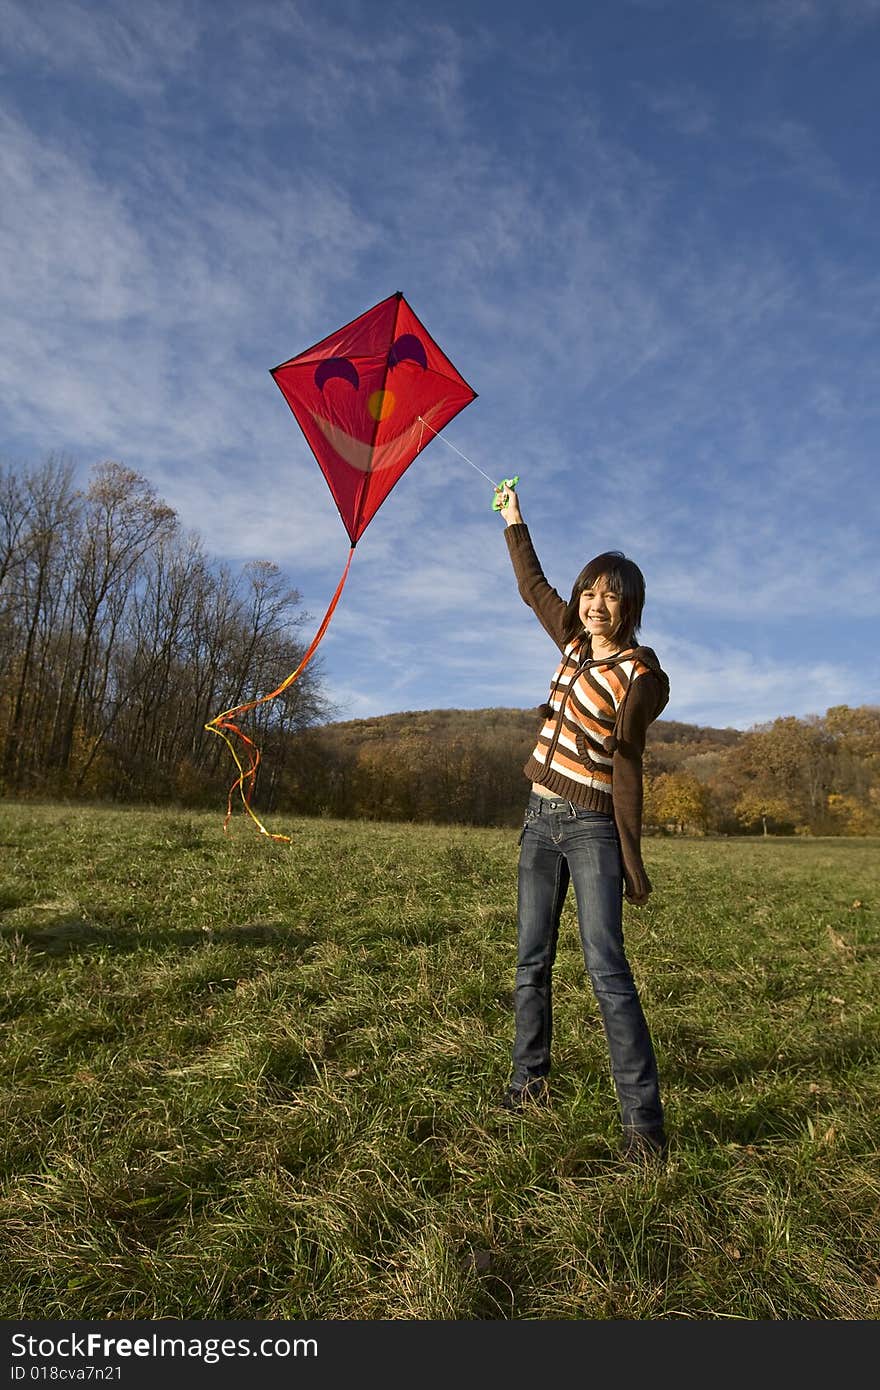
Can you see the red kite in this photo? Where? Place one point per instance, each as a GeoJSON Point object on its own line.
{"type": "Point", "coordinates": [363, 398]}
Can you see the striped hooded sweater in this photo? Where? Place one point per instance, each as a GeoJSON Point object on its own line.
{"type": "Point", "coordinates": [590, 746]}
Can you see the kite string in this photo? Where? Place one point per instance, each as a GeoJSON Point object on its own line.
{"type": "Point", "coordinates": [445, 441]}
{"type": "Point", "coordinates": [222, 724]}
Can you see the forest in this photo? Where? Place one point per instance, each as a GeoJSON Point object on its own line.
{"type": "Point", "coordinates": [809, 776]}
{"type": "Point", "coordinates": [120, 637]}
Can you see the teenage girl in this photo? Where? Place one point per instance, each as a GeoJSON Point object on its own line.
{"type": "Point", "coordinates": [583, 822]}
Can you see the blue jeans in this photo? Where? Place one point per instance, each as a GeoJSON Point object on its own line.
{"type": "Point", "coordinates": [562, 843]}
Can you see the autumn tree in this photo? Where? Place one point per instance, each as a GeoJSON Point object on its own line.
{"type": "Point", "coordinates": [678, 799]}
{"type": "Point", "coordinates": [852, 816]}
{"type": "Point", "coordinates": [787, 762]}
{"type": "Point", "coordinates": [856, 733]}
{"type": "Point", "coordinates": [754, 808]}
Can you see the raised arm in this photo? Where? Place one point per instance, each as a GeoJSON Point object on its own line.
{"type": "Point", "coordinates": [542, 598]}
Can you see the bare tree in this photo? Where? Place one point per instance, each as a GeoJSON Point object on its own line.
{"type": "Point", "coordinates": [34, 590]}
{"type": "Point", "coordinates": [122, 520]}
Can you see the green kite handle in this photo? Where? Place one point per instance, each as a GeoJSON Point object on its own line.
{"type": "Point", "coordinates": [501, 497]}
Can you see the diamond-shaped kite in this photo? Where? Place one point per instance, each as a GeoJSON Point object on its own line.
{"type": "Point", "coordinates": [368, 399]}
{"type": "Point", "coordinates": [363, 396]}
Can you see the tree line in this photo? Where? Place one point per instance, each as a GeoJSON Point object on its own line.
{"type": "Point", "coordinates": [120, 637]}
{"type": "Point", "coordinates": [818, 775]}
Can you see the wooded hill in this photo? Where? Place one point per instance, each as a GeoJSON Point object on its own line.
{"type": "Point", "coordinates": [446, 764]}
{"type": "Point", "coordinates": [815, 775]}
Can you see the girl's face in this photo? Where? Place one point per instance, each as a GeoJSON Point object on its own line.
{"type": "Point", "coordinates": [599, 610]}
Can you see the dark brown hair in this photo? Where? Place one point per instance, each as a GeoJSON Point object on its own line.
{"type": "Point", "coordinates": [624, 579]}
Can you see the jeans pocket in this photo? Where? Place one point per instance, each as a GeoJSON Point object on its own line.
{"type": "Point", "coordinates": [599, 828]}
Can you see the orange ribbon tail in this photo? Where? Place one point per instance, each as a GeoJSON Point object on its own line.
{"type": "Point", "coordinates": [223, 725]}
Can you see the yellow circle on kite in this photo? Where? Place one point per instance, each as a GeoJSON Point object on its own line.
{"type": "Point", "coordinates": [381, 404]}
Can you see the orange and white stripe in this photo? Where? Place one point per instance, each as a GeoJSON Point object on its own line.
{"type": "Point", "coordinates": [591, 702]}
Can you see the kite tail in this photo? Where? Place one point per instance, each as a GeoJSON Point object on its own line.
{"type": "Point", "coordinates": [223, 726]}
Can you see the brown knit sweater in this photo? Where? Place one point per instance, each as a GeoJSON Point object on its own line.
{"type": "Point", "coordinates": [590, 747]}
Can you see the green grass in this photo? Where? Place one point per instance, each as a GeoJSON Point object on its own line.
{"type": "Point", "coordinates": [252, 1081]}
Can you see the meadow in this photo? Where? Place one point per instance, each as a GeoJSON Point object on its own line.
{"type": "Point", "coordinates": [248, 1080]}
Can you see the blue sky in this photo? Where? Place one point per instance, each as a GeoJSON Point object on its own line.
{"type": "Point", "coordinates": [645, 231]}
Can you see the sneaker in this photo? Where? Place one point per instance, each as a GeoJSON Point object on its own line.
{"type": "Point", "coordinates": [644, 1144]}
{"type": "Point", "coordinates": [532, 1093]}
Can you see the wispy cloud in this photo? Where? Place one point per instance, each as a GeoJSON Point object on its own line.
{"type": "Point", "coordinates": [791, 20]}
{"type": "Point", "coordinates": [136, 50]}
{"type": "Point", "coordinates": [687, 109]}
{"type": "Point", "coordinates": [800, 157]}
{"type": "Point", "coordinates": [142, 330]}
{"type": "Point", "coordinates": [729, 687]}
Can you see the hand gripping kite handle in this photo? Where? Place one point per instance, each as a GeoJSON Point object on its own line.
{"type": "Point", "coordinates": [502, 496]}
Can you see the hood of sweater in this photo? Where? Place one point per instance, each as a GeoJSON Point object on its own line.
{"type": "Point", "coordinates": [648, 657]}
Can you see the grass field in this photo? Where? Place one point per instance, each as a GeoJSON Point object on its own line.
{"type": "Point", "coordinates": [244, 1080]}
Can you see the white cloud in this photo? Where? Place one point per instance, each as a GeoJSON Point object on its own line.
{"type": "Point", "coordinates": [69, 247]}
{"type": "Point", "coordinates": [725, 687]}
{"type": "Point", "coordinates": [131, 331]}
{"type": "Point", "coordinates": [136, 50]}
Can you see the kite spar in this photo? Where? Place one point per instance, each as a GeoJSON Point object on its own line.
{"type": "Point", "coordinates": [362, 397]}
